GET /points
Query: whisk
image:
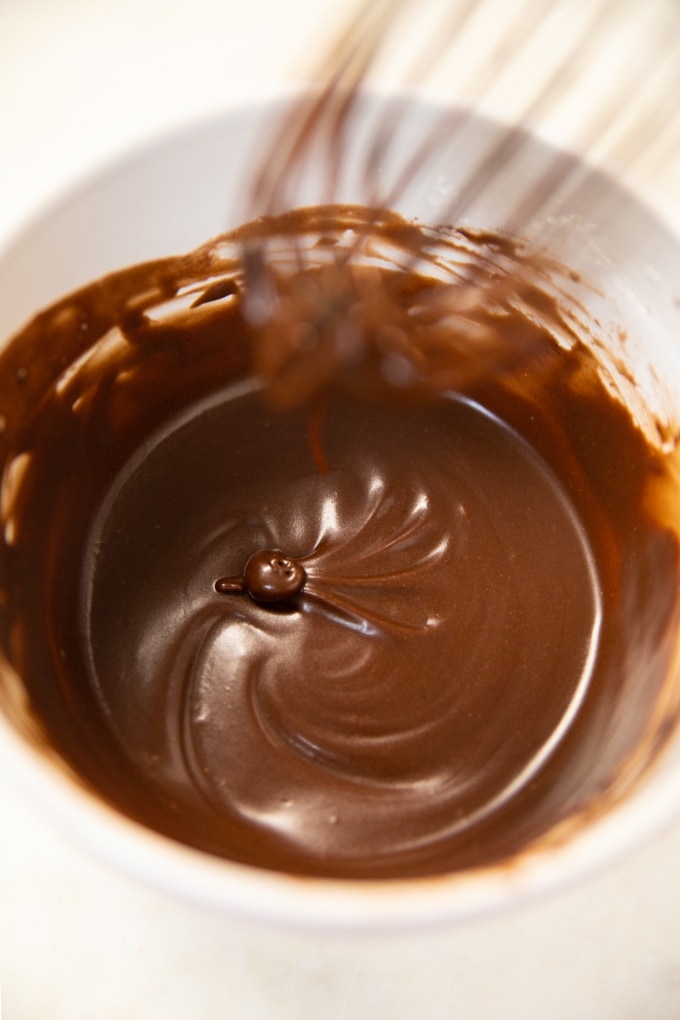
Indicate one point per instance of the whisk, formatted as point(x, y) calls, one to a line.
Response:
point(602, 76)
point(597, 77)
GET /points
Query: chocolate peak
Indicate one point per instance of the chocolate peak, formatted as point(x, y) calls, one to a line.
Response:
point(269, 576)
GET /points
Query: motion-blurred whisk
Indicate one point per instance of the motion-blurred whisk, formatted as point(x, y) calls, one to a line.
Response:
point(600, 78)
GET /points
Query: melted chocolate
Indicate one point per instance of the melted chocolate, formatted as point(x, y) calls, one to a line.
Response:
point(407, 631)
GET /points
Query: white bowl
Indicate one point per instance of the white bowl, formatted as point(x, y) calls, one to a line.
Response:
point(181, 190)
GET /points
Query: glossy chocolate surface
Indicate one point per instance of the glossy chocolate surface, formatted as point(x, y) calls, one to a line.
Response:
point(378, 601)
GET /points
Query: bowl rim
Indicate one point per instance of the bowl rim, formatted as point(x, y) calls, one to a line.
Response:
point(351, 906)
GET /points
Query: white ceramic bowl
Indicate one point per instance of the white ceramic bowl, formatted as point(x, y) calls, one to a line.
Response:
point(183, 189)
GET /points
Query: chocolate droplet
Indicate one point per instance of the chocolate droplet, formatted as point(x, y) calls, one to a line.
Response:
point(269, 576)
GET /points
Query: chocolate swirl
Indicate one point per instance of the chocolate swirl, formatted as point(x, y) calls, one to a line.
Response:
point(358, 718)
point(465, 587)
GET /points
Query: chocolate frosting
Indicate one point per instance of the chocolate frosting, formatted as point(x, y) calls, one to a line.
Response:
point(372, 602)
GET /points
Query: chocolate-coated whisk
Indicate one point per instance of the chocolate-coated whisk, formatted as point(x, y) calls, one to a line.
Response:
point(601, 75)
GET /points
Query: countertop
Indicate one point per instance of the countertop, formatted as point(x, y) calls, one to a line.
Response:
point(81, 81)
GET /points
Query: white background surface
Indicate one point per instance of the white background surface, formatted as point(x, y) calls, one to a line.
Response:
point(81, 80)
